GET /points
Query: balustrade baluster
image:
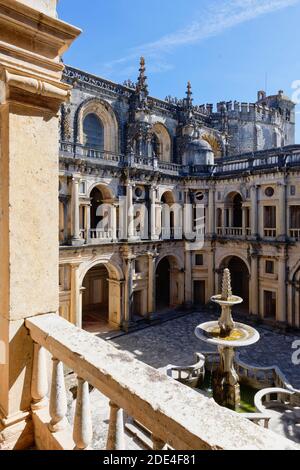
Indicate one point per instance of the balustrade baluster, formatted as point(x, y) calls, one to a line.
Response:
point(116, 435)
point(39, 381)
point(58, 398)
point(83, 429)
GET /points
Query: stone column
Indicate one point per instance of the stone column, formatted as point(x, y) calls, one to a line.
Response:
point(244, 221)
point(282, 213)
point(114, 222)
point(130, 210)
point(282, 290)
point(127, 321)
point(154, 235)
point(31, 93)
point(211, 212)
point(76, 293)
point(254, 290)
point(254, 212)
point(188, 291)
point(76, 238)
point(211, 286)
point(151, 283)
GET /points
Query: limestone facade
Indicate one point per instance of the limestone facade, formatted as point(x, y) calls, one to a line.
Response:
point(120, 145)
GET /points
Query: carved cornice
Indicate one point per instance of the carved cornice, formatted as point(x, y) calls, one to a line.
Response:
point(31, 44)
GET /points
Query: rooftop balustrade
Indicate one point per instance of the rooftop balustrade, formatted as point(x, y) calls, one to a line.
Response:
point(250, 162)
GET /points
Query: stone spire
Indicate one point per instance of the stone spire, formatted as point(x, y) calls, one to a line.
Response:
point(188, 112)
point(189, 94)
point(226, 287)
point(142, 85)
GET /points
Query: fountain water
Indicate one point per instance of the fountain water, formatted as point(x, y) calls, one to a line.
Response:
point(227, 336)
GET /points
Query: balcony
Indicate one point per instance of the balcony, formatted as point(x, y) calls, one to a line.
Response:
point(175, 415)
point(233, 232)
point(80, 151)
point(270, 232)
point(295, 234)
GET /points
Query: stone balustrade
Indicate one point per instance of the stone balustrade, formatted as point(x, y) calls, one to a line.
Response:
point(176, 415)
point(271, 397)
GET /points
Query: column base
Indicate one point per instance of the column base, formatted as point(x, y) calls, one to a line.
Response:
point(77, 242)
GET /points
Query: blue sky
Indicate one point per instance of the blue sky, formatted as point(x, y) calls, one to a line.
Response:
point(228, 49)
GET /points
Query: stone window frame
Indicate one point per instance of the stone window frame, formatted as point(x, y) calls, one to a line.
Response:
point(107, 116)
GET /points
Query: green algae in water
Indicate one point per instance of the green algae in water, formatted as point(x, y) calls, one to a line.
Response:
point(247, 395)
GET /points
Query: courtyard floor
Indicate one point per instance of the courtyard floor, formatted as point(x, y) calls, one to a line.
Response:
point(174, 342)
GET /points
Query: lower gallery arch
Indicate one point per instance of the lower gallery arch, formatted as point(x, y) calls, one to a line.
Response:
point(240, 278)
point(169, 292)
point(101, 299)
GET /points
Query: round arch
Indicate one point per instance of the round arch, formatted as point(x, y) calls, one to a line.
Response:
point(114, 270)
point(100, 295)
point(240, 278)
point(107, 192)
point(107, 116)
point(165, 142)
point(216, 146)
point(234, 209)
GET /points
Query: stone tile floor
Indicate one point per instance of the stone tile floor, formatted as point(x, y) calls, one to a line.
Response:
point(174, 342)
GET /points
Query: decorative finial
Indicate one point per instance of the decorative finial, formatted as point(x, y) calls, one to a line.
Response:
point(189, 91)
point(142, 79)
point(226, 287)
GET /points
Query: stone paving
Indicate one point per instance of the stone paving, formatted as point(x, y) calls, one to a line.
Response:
point(174, 342)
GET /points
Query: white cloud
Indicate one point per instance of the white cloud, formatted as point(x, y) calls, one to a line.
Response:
point(213, 20)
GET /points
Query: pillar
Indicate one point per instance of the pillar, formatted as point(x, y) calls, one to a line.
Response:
point(127, 321)
point(282, 212)
point(130, 211)
point(151, 282)
point(76, 297)
point(254, 211)
point(282, 290)
point(211, 212)
point(188, 290)
point(254, 286)
point(154, 235)
point(31, 92)
point(114, 223)
point(76, 238)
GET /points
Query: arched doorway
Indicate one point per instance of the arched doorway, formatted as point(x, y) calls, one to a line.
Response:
point(234, 211)
point(240, 278)
point(95, 299)
point(103, 214)
point(163, 285)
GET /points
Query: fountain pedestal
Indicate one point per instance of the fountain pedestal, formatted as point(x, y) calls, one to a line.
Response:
point(227, 336)
point(225, 381)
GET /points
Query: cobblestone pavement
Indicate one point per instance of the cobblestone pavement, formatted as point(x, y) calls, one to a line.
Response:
point(174, 342)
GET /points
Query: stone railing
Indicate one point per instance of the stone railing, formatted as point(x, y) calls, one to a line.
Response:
point(295, 234)
point(192, 376)
point(175, 415)
point(81, 151)
point(100, 235)
point(270, 232)
point(271, 397)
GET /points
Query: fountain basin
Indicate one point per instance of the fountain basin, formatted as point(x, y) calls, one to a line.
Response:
point(230, 302)
point(242, 335)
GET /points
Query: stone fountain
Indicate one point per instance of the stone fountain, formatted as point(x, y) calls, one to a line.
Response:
point(227, 336)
